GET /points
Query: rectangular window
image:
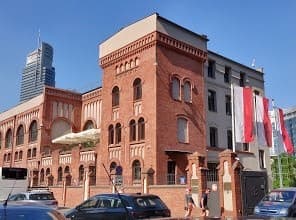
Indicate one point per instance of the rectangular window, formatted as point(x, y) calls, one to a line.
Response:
point(212, 101)
point(171, 178)
point(229, 139)
point(182, 124)
point(211, 69)
point(213, 137)
point(227, 74)
point(242, 79)
point(246, 147)
point(228, 104)
point(261, 159)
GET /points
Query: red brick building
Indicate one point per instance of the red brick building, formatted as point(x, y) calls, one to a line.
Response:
point(150, 112)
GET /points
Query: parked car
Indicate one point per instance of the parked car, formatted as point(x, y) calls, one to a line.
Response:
point(278, 203)
point(24, 211)
point(123, 206)
point(35, 196)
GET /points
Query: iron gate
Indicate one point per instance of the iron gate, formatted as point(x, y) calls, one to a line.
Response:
point(253, 188)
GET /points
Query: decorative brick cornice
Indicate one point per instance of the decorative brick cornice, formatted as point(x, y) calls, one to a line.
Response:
point(93, 94)
point(147, 42)
point(180, 46)
point(129, 50)
point(62, 94)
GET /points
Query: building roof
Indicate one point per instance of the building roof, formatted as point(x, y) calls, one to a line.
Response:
point(147, 26)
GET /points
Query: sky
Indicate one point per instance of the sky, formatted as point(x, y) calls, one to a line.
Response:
point(263, 30)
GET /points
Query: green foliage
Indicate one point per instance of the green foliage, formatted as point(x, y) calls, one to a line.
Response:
point(288, 171)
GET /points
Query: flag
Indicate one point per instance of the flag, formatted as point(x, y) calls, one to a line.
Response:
point(283, 137)
point(263, 124)
point(243, 114)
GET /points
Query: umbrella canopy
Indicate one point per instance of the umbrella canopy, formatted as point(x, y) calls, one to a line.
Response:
point(80, 137)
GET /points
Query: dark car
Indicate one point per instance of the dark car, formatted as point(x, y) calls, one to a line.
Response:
point(123, 206)
point(16, 210)
point(278, 203)
point(39, 197)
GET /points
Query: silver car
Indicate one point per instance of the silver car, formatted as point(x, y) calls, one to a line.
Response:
point(35, 197)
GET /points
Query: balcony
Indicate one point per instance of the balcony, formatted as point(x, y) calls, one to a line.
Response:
point(115, 152)
point(46, 161)
point(137, 150)
point(65, 159)
point(33, 164)
point(86, 156)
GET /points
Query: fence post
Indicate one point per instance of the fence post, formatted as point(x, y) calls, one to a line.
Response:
point(230, 184)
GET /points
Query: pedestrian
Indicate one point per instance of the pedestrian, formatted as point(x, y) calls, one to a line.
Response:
point(189, 203)
point(204, 203)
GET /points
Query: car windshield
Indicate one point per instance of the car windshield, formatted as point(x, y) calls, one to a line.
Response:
point(41, 196)
point(280, 196)
point(149, 202)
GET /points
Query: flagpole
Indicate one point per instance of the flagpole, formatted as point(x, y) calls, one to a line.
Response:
point(232, 118)
point(277, 136)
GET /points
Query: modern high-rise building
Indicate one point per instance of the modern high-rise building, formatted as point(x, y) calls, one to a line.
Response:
point(290, 122)
point(38, 72)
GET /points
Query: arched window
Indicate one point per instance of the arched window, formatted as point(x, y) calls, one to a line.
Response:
point(21, 155)
point(88, 125)
point(141, 129)
point(33, 132)
point(29, 153)
point(42, 175)
point(117, 133)
point(115, 96)
point(132, 63)
point(136, 170)
point(187, 91)
point(182, 129)
point(176, 88)
point(127, 65)
point(16, 156)
point(47, 173)
point(8, 139)
point(81, 173)
point(60, 174)
point(137, 89)
point(113, 165)
point(67, 170)
point(137, 61)
point(111, 134)
point(34, 152)
point(122, 68)
point(132, 126)
point(8, 156)
point(20, 135)
point(5, 158)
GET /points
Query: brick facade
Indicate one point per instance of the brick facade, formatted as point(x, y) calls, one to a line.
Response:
point(168, 142)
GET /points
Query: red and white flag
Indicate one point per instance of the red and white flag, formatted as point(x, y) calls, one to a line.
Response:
point(243, 114)
point(283, 137)
point(263, 124)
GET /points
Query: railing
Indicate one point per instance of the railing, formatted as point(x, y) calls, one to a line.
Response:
point(65, 159)
point(46, 161)
point(173, 179)
point(87, 156)
point(212, 175)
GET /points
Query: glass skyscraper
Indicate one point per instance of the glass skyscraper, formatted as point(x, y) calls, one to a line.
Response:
point(38, 72)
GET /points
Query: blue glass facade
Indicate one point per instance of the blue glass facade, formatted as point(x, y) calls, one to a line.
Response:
point(38, 72)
